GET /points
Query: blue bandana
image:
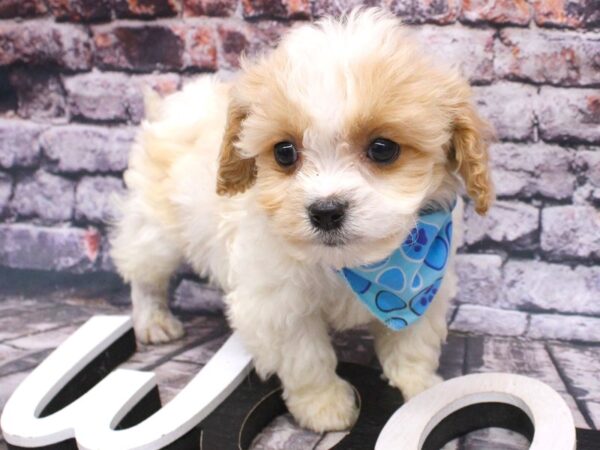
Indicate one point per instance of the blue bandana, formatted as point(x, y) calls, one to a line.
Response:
point(399, 289)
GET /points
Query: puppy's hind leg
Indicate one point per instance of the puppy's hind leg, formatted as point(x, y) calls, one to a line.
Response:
point(146, 256)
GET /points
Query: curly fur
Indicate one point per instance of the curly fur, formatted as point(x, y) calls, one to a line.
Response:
point(204, 188)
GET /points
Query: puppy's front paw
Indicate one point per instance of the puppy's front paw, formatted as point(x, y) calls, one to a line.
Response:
point(413, 383)
point(157, 327)
point(330, 409)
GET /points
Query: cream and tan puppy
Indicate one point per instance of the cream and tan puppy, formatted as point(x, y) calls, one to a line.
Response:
point(320, 155)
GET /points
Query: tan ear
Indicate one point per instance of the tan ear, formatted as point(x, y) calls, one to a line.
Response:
point(470, 142)
point(236, 173)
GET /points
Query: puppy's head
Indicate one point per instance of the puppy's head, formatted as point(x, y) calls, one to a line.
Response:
point(344, 132)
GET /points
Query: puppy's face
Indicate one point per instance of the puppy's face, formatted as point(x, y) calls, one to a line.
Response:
point(344, 133)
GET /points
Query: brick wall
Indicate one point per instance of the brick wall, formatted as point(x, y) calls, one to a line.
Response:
point(71, 74)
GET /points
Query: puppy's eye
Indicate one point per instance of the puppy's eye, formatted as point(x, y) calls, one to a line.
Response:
point(285, 154)
point(383, 151)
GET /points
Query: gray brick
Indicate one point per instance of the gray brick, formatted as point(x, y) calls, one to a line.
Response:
point(21, 8)
point(275, 9)
point(334, 7)
point(148, 9)
point(113, 96)
point(569, 114)
point(497, 12)
point(198, 297)
point(511, 223)
point(421, 11)
point(45, 43)
point(200, 46)
point(46, 196)
point(472, 51)
point(218, 8)
point(19, 145)
point(585, 194)
point(106, 263)
point(139, 46)
point(527, 170)
point(102, 97)
point(80, 10)
point(5, 190)
point(569, 14)
point(491, 321)
point(480, 278)
point(587, 166)
point(587, 162)
point(565, 328)
point(163, 84)
point(237, 37)
point(509, 107)
point(536, 285)
point(95, 198)
point(75, 148)
point(25, 246)
point(555, 57)
point(40, 94)
point(571, 231)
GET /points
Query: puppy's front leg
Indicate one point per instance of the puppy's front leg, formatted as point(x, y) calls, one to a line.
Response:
point(314, 394)
point(153, 321)
point(410, 357)
point(146, 255)
point(299, 350)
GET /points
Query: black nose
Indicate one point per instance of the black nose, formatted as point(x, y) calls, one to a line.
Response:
point(327, 214)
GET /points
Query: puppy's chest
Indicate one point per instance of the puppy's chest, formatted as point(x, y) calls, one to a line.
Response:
point(338, 304)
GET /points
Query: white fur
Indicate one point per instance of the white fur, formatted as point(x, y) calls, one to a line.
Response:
point(282, 299)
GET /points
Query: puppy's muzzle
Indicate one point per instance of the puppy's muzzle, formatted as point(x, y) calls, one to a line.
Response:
point(327, 214)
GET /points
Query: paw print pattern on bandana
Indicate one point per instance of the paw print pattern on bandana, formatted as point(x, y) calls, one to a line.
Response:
point(423, 299)
point(418, 240)
point(399, 289)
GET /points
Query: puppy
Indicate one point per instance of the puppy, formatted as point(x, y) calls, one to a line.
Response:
point(321, 157)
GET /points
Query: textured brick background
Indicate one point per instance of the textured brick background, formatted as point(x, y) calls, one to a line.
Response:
point(71, 74)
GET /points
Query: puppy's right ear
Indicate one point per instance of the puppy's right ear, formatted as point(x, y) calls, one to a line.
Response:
point(236, 173)
point(470, 142)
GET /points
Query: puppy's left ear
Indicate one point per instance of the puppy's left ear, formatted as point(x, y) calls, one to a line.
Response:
point(236, 173)
point(469, 149)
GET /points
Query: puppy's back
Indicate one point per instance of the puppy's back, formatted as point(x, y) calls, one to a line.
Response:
point(190, 121)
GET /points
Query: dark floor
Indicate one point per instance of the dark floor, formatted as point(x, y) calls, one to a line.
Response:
point(37, 313)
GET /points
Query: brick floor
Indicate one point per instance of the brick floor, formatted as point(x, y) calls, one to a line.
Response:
point(38, 312)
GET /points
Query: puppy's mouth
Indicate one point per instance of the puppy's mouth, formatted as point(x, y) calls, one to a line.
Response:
point(332, 238)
